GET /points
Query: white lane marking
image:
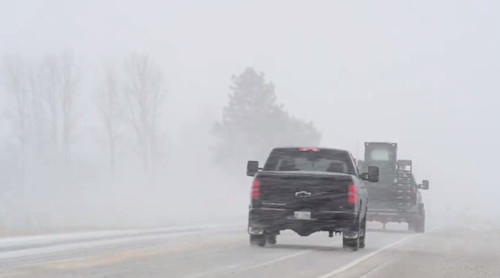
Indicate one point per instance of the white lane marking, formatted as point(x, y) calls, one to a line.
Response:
point(281, 259)
point(375, 269)
point(364, 258)
point(367, 256)
point(276, 260)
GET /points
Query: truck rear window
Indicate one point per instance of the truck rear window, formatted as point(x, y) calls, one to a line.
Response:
point(380, 154)
point(318, 161)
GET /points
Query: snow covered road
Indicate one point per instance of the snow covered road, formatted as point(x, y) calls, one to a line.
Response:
point(223, 251)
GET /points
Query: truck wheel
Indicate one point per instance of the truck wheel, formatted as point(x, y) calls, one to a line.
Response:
point(257, 240)
point(363, 234)
point(271, 239)
point(415, 223)
point(411, 226)
point(352, 243)
point(349, 243)
point(421, 224)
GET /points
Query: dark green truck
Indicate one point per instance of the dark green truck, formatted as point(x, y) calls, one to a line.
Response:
point(396, 197)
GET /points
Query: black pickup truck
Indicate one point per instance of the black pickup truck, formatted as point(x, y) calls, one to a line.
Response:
point(308, 190)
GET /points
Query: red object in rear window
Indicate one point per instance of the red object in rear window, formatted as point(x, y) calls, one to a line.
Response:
point(309, 150)
point(352, 194)
point(255, 191)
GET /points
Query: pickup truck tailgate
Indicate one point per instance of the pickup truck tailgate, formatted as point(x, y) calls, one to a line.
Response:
point(303, 191)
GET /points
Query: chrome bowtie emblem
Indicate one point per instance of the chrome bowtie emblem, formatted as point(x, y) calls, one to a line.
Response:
point(302, 194)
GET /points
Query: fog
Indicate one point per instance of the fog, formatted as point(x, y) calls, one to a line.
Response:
point(419, 74)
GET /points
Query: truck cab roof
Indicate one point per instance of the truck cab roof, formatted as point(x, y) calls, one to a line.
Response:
point(311, 149)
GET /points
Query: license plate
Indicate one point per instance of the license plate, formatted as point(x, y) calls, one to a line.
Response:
point(302, 214)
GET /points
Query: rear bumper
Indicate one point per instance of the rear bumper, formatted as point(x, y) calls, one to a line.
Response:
point(277, 219)
point(391, 215)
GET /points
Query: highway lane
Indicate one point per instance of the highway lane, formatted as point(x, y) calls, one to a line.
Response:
point(198, 252)
point(458, 251)
point(225, 252)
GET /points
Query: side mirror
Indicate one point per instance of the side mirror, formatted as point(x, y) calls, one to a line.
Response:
point(372, 175)
point(252, 168)
point(425, 185)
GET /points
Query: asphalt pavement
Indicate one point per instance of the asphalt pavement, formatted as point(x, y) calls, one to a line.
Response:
point(224, 251)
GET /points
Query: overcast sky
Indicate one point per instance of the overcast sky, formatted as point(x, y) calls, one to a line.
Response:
point(421, 73)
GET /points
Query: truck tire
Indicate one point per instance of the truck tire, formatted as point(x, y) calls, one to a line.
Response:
point(352, 243)
point(257, 240)
point(349, 243)
point(411, 225)
point(271, 239)
point(363, 234)
point(421, 224)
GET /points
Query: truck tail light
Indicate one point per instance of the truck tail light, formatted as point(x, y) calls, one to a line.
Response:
point(352, 194)
point(315, 150)
point(255, 191)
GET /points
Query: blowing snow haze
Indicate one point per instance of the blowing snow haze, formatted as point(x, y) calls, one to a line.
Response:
point(112, 110)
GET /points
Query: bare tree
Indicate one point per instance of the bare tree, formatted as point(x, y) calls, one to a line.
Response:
point(17, 74)
point(49, 77)
point(60, 77)
point(143, 88)
point(69, 98)
point(39, 115)
point(110, 107)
